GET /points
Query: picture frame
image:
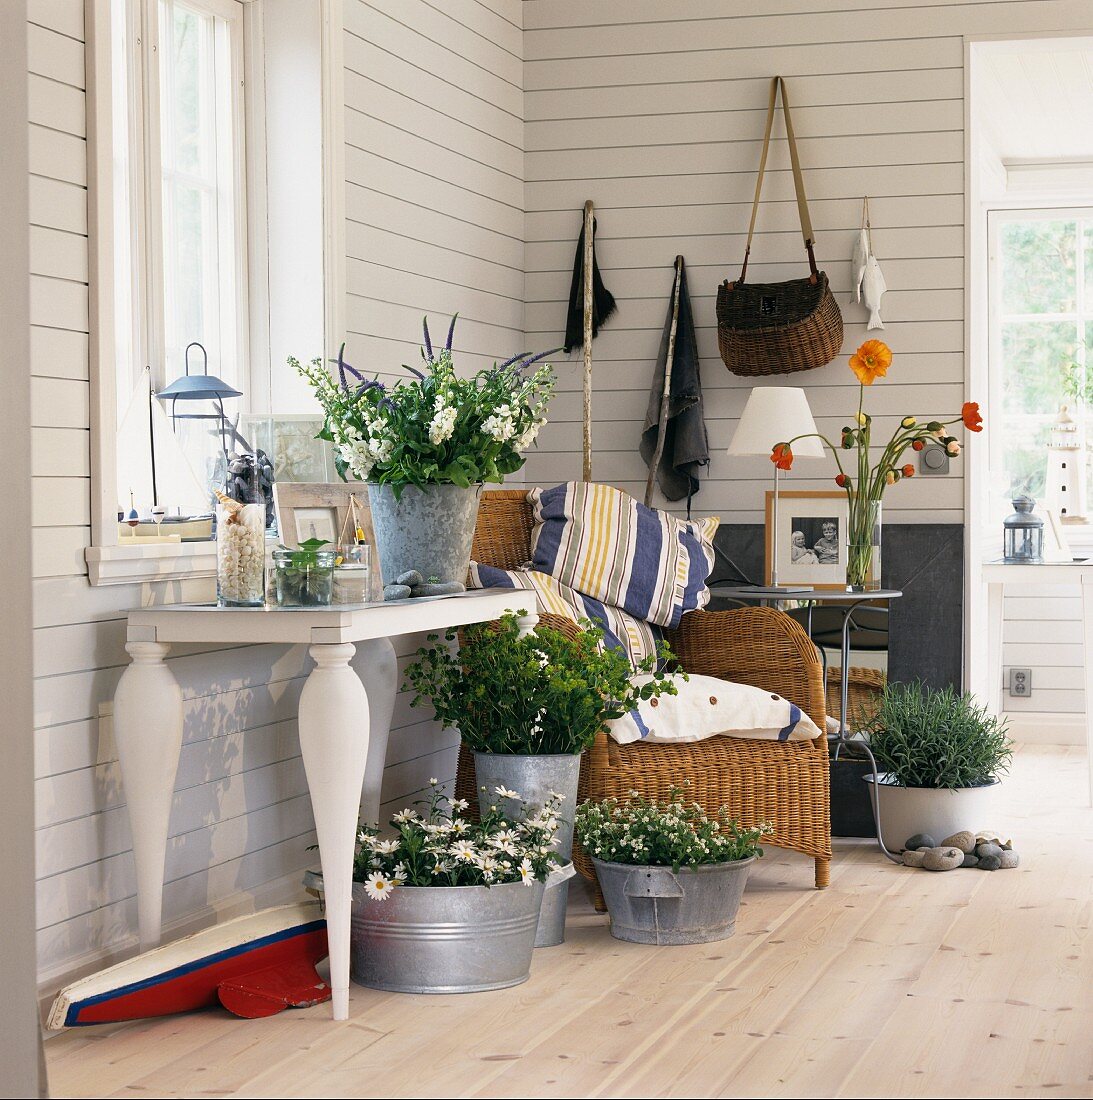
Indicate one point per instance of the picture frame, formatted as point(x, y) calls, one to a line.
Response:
point(290, 440)
point(809, 551)
point(312, 510)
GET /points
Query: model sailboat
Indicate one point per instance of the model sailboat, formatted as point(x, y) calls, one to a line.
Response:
point(154, 471)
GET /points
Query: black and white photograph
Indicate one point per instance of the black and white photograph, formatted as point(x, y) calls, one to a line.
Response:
point(809, 540)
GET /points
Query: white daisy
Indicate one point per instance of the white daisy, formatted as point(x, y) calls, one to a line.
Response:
point(378, 886)
point(504, 792)
point(460, 804)
point(527, 872)
point(404, 816)
point(464, 851)
point(459, 826)
point(385, 847)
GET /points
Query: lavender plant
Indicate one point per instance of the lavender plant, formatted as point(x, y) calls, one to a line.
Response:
point(436, 427)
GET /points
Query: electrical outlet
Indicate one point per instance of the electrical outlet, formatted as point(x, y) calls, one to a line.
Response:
point(1021, 682)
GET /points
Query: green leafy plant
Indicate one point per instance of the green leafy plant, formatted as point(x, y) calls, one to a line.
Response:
point(937, 739)
point(301, 576)
point(538, 694)
point(670, 833)
point(441, 848)
point(433, 428)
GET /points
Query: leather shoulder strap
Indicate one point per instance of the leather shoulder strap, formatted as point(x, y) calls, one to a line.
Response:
point(798, 178)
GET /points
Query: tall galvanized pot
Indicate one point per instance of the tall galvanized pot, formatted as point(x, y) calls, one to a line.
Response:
point(662, 906)
point(428, 529)
point(444, 939)
point(533, 778)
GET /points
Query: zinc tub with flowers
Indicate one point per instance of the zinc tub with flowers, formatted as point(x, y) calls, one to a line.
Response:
point(447, 905)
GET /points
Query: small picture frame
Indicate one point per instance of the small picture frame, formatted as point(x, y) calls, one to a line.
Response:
point(811, 538)
point(312, 510)
point(292, 443)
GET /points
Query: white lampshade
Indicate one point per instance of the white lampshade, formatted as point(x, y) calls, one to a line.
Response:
point(776, 414)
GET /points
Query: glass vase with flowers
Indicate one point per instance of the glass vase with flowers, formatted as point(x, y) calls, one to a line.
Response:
point(865, 481)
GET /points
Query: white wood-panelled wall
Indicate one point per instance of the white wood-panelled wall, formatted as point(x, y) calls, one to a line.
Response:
point(241, 822)
point(655, 111)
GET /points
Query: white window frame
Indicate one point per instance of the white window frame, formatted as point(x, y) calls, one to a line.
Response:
point(108, 562)
point(997, 317)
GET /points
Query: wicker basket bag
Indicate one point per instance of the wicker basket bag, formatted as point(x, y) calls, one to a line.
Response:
point(778, 328)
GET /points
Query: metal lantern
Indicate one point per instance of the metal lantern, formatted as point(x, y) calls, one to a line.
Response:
point(201, 387)
point(1024, 533)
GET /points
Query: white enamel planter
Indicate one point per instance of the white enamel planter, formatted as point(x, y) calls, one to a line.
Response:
point(905, 811)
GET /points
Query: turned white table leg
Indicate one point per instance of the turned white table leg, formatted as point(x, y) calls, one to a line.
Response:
point(377, 666)
point(527, 623)
point(334, 735)
point(148, 732)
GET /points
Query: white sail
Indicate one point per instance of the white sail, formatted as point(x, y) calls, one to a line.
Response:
point(177, 487)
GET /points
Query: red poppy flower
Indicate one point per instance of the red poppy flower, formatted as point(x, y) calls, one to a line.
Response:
point(782, 456)
point(908, 470)
point(973, 421)
point(842, 481)
point(917, 445)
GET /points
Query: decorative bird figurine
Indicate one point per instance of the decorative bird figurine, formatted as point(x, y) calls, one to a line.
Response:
point(858, 261)
point(873, 288)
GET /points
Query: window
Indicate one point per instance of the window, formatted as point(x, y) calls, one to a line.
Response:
point(179, 207)
point(1041, 340)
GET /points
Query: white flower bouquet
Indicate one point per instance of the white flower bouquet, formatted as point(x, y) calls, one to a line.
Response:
point(441, 848)
point(670, 833)
point(436, 428)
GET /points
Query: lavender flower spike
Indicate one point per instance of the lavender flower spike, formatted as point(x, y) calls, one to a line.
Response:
point(515, 359)
point(343, 366)
point(451, 333)
point(428, 342)
point(536, 358)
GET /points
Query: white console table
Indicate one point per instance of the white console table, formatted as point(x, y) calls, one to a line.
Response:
point(344, 720)
point(998, 576)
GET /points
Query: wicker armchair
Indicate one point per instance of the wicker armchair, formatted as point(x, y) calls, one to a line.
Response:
point(782, 782)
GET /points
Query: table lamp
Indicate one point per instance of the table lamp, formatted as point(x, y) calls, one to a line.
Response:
point(775, 414)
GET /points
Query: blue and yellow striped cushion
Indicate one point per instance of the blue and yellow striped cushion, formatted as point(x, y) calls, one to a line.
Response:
point(621, 631)
point(603, 543)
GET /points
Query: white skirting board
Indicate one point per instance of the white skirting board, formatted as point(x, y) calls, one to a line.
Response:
point(1029, 727)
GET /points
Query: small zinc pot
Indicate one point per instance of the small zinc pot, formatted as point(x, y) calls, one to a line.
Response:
point(533, 778)
point(445, 939)
point(430, 530)
point(905, 811)
point(662, 906)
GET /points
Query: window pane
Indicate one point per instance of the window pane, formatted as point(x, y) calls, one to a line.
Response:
point(1035, 355)
point(1087, 305)
point(190, 94)
point(1039, 266)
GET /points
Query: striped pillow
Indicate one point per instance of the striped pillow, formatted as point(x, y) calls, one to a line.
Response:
point(621, 631)
point(603, 543)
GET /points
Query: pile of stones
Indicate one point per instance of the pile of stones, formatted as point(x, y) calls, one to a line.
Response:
point(987, 851)
point(412, 585)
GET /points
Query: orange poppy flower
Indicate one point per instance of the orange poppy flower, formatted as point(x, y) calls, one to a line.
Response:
point(973, 421)
point(871, 361)
point(782, 456)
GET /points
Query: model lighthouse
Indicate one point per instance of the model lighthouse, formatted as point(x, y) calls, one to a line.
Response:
point(1064, 490)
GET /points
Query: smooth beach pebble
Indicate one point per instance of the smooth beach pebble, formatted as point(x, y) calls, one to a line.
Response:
point(443, 588)
point(913, 859)
point(964, 840)
point(410, 578)
point(989, 863)
point(942, 859)
point(396, 592)
point(1008, 859)
point(970, 860)
point(991, 851)
point(920, 840)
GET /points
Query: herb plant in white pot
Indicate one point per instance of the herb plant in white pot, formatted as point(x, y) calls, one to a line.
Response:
point(528, 706)
point(450, 905)
point(426, 446)
point(941, 757)
point(670, 873)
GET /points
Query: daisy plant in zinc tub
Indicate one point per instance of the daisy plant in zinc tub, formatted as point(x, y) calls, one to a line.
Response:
point(426, 445)
point(446, 904)
point(670, 872)
point(865, 481)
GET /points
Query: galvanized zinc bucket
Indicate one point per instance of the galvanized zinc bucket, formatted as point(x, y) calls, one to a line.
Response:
point(662, 906)
point(533, 778)
point(444, 939)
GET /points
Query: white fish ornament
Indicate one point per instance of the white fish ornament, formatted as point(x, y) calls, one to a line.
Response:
point(873, 288)
point(858, 261)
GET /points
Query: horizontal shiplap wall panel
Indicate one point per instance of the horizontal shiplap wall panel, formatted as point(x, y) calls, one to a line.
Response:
point(656, 113)
point(435, 162)
point(1043, 632)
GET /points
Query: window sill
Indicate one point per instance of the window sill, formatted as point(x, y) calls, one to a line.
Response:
point(150, 562)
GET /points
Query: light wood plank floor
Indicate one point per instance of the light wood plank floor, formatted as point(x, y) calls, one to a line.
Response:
point(892, 982)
